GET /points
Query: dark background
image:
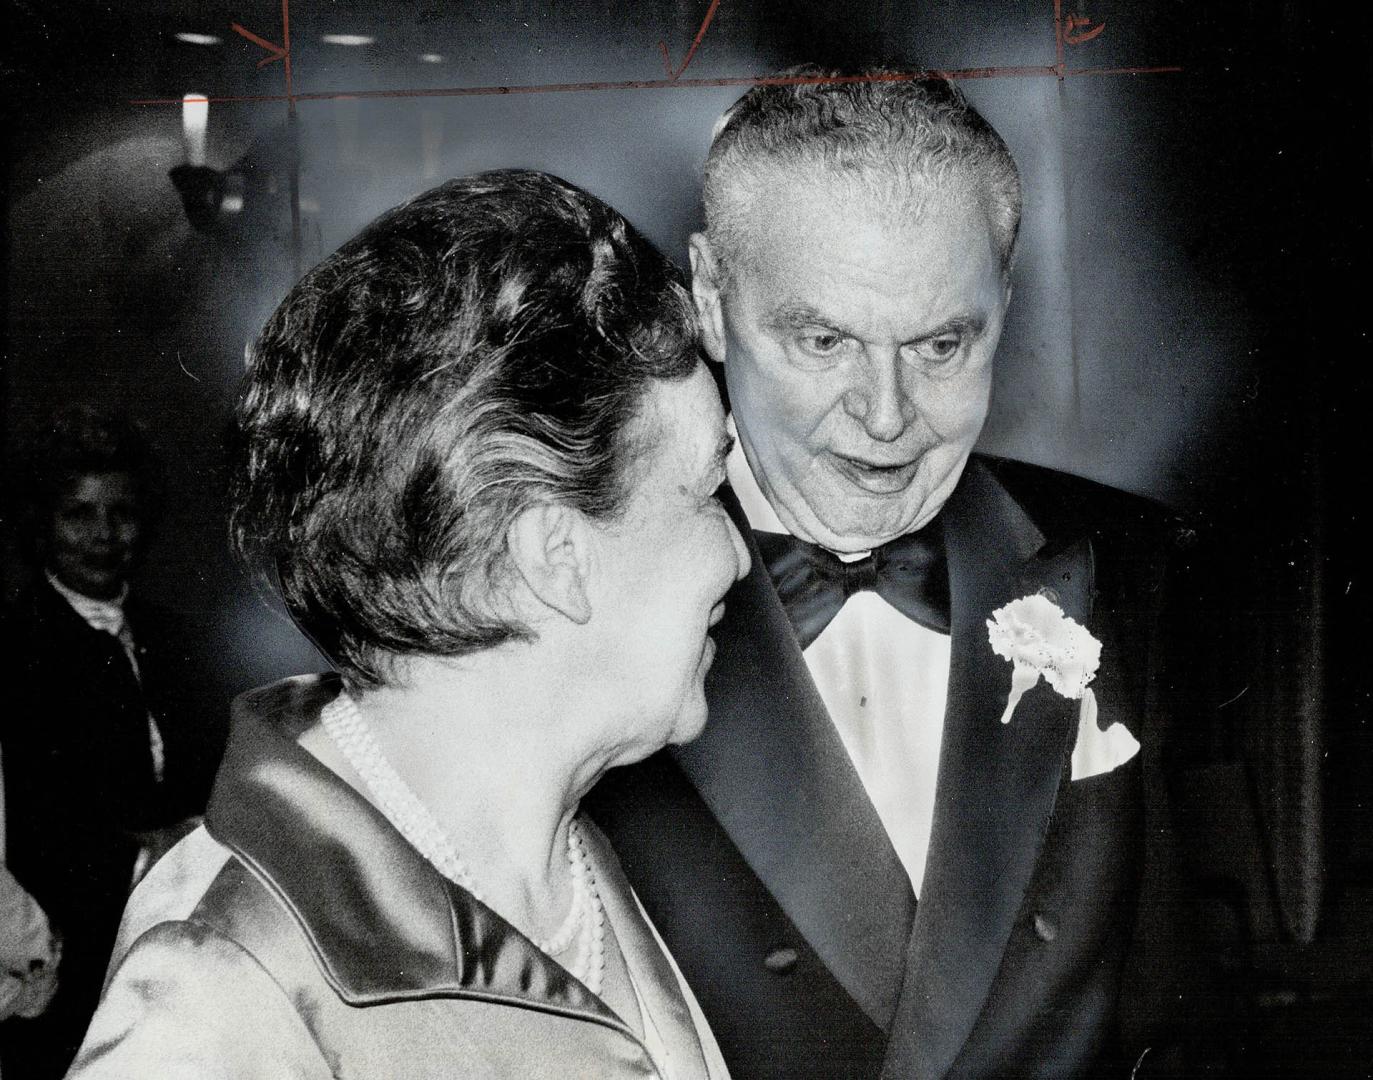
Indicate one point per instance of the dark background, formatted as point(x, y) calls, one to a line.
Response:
point(1190, 317)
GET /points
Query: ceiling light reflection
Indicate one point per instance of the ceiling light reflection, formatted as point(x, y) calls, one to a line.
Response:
point(348, 39)
point(191, 38)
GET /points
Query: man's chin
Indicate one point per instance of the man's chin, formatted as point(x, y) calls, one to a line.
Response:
point(859, 532)
point(859, 521)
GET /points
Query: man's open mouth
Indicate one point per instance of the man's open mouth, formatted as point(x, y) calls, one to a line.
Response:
point(875, 478)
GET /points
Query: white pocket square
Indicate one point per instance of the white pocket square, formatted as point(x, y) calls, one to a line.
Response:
point(1098, 751)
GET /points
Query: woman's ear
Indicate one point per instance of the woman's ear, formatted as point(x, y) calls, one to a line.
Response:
point(705, 290)
point(551, 545)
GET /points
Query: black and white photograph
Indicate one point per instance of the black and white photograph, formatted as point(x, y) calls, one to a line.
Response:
point(685, 539)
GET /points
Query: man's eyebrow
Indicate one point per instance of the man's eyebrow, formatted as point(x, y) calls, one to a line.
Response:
point(973, 324)
point(794, 315)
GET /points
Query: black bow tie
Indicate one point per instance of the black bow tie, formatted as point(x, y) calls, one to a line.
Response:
point(909, 573)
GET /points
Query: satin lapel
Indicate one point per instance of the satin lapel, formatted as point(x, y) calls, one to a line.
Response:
point(773, 771)
point(647, 963)
point(383, 923)
point(997, 783)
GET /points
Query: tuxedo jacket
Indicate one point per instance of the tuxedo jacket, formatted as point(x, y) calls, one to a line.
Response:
point(79, 782)
point(759, 856)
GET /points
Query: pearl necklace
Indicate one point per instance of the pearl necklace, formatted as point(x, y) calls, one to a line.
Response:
point(585, 921)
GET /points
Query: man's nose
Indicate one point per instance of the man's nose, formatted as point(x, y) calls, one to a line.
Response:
point(880, 400)
point(740, 552)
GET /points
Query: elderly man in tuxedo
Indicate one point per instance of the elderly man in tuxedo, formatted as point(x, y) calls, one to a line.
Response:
point(877, 860)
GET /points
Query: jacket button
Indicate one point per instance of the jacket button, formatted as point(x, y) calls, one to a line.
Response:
point(1045, 927)
point(780, 961)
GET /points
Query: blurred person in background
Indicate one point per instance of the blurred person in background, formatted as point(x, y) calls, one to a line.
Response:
point(108, 749)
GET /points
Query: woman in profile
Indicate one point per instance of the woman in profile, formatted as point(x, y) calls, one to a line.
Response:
point(479, 455)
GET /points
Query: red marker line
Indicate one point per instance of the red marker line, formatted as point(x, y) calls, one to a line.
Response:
point(1074, 36)
point(278, 53)
point(1058, 38)
point(286, 44)
point(1123, 71)
point(671, 84)
point(705, 24)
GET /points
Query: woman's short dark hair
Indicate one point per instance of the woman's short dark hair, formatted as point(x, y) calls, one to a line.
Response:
point(480, 349)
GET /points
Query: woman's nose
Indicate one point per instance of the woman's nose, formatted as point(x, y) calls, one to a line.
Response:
point(103, 526)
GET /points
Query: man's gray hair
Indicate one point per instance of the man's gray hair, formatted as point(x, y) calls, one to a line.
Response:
point(891, 133)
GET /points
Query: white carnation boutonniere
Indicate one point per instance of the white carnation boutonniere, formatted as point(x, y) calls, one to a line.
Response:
point(1038, 639)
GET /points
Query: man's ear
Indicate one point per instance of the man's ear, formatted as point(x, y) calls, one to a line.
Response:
point(705, 290)
point(550, 546)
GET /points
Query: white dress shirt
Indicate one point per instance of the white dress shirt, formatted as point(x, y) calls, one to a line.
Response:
point(884, 680)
